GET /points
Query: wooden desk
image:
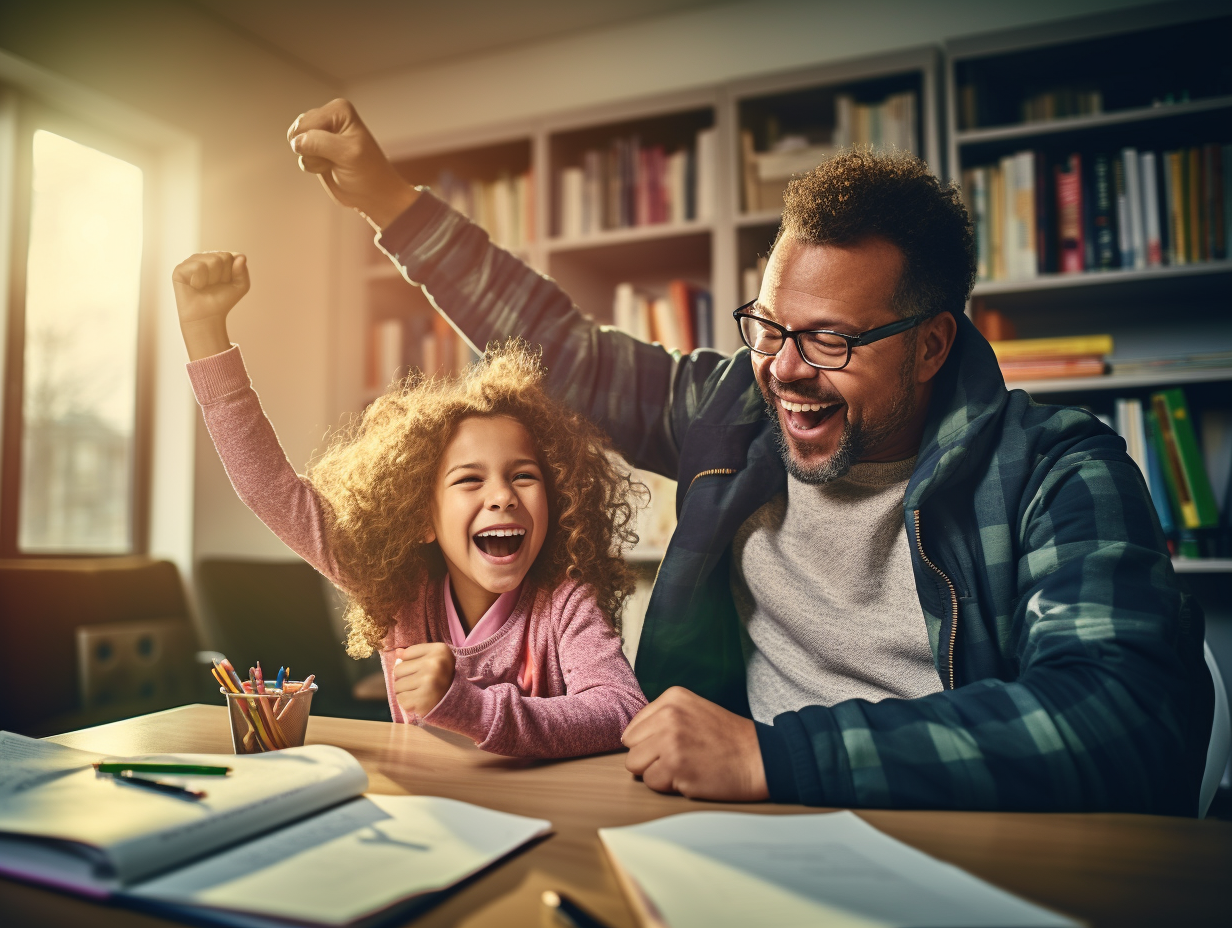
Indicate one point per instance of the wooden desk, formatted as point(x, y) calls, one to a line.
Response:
point(1108, 869)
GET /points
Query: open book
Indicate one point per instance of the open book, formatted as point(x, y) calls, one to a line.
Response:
point(715, 869)
point(286, 835)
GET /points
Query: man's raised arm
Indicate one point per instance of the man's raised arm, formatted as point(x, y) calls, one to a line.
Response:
point(642, 395)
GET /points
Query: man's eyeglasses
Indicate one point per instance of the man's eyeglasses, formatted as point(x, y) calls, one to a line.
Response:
point(821, 348)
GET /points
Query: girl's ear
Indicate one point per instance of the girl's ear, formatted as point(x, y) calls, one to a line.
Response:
point(429, 535)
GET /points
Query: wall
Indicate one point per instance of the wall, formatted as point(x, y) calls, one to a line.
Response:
point(676, 52)
point(177, 65)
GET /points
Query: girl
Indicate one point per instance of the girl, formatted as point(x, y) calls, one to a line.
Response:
point(473, 523)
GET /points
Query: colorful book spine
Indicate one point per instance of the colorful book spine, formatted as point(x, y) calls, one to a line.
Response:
point(1069, 216)
point(1194, 205)
point(1149, 173)
point(1134, 215)
point(1178, 207)
point(1156, 481)
point(996, 221)
point(1103, 219)
point(1183, 464)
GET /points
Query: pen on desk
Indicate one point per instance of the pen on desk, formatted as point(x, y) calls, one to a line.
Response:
point(175, 790)
point(562, 912)
point(196, 770)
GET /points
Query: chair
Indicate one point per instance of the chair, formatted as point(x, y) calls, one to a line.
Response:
point(1221, 737)
point(276, 612)
point(63, 617)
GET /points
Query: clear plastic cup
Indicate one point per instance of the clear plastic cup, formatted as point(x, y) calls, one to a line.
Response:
point(269, 722)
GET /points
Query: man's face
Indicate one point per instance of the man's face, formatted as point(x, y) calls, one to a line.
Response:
point(871, 410)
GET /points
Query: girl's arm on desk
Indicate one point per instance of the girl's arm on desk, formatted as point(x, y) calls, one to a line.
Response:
point(600, 693)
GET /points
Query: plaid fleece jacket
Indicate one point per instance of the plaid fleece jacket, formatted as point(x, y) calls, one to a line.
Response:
point(1070, 657)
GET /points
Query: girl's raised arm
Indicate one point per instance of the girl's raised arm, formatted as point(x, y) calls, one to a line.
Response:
point(207, 287)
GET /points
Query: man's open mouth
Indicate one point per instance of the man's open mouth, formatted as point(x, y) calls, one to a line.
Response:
point(804, 417)
point(500, 542)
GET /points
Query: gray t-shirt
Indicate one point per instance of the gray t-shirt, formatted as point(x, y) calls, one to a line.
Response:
point(823, 584)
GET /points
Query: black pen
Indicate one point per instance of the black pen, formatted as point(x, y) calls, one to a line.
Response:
point(563, 912)
point(182, 791)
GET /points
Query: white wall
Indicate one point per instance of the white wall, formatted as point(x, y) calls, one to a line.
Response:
point(677, 52)
point(185, 69)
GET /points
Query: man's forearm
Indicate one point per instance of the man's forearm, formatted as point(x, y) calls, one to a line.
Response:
point(624, 385)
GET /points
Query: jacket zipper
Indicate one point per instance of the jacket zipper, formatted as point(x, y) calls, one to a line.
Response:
point(919, 543)
point(711, 473)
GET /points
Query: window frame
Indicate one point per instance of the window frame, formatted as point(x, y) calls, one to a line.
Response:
point(27, 117)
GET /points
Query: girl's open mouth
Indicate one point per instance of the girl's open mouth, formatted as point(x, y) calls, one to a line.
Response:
point(500, 542)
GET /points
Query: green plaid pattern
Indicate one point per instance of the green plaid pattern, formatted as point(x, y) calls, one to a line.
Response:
point(1071, 658)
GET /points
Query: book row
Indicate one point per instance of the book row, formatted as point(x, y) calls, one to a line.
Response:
point(427, 343)
point(629, 184)
point(1098, 211)
point(889, 125)
point(505, 207)
point(1188, 470)
point(682, 319)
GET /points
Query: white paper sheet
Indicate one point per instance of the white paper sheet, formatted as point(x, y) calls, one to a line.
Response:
point(350, 861)
point(716, 869)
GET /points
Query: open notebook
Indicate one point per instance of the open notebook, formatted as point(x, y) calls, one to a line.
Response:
point(287, 835)
point(715, 869)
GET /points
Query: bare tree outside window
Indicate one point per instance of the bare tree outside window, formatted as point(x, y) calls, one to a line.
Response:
point(79, 372)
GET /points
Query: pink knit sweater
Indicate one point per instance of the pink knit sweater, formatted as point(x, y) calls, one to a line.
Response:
point(580, 692)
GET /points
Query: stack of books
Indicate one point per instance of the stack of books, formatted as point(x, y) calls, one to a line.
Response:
point(1046, 358)
point(630, 184)
point(505, 207)
point(1099, 211)
point(682, 319)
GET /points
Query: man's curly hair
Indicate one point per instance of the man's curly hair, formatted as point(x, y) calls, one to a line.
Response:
point(377, 480)
point(858, 195)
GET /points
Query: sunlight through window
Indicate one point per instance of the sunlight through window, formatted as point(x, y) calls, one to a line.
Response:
point(80, 383)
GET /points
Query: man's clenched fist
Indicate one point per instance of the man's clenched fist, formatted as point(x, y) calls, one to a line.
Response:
point(681, 743)
point(333, 143)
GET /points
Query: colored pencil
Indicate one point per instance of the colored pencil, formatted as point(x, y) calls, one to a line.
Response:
point(203, 770)
point(303, 687)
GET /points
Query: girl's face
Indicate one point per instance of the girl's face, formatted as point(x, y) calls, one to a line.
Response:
point(490, 508)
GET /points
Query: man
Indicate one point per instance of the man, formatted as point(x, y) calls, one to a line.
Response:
point(893, 583)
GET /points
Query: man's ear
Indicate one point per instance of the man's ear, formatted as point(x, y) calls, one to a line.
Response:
point(933, 345)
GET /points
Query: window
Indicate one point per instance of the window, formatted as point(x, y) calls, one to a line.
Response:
point(75, 438)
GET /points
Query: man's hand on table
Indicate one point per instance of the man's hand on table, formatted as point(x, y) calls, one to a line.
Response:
point(333, 143)
point(681, 743)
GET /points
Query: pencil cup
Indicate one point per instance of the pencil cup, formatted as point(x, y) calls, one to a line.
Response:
point(269, 722)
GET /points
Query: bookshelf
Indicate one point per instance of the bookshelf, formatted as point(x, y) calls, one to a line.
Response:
point(1151, 79)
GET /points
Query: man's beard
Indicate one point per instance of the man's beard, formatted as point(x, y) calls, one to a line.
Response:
point(855, 440)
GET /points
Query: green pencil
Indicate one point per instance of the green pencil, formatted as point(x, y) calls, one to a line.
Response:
point(199, 770)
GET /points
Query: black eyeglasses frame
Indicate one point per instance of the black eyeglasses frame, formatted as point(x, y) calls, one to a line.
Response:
point(853, 341)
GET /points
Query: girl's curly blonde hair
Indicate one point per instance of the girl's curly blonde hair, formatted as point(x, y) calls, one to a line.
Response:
point(378, 477)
